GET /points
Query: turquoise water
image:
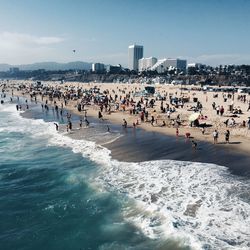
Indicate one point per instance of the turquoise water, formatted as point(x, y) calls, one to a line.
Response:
point(60, 193)
point(47, 201)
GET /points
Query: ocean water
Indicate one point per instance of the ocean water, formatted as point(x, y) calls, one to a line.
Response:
point(62, 193)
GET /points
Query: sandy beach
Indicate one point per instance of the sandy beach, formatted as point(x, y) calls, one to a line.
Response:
point(239, 134)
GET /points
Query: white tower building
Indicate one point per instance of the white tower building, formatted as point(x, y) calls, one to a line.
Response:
point(135, 52)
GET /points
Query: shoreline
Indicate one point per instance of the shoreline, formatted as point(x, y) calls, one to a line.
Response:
point(239, 142)
point(140, 145)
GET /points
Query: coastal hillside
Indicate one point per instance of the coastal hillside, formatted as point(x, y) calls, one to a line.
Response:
point(49, 66)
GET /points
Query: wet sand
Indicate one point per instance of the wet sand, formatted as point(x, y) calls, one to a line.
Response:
point(140, 145)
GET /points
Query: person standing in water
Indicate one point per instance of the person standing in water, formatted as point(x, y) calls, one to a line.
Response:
point(125, 123)
point(215, 136)
point(227, 135)
point(100, 115)
point(177, 132)
point(70, 125)
point(87, 123)
point(57, 126)
point(194, 144)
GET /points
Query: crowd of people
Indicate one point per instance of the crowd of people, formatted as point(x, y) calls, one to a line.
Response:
point(141, 110)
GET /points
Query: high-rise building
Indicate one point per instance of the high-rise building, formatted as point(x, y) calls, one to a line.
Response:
point(135, 52)
point(146, 63)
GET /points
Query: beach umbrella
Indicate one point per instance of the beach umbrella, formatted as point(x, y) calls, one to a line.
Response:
point(194, 117)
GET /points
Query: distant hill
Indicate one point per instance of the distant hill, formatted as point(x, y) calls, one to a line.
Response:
point(4, 67)
point(49, 66)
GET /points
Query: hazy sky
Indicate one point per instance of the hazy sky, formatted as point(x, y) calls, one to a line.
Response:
point(207, 31)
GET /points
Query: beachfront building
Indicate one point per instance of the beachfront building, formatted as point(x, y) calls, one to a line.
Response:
point(160, 66)
point(146, 64)
point(114, 69)
point(98, 67)
point(164, 65)
point(135, 53)
point(179, 64)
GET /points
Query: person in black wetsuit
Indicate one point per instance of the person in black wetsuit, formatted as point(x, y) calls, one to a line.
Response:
point(57, 126)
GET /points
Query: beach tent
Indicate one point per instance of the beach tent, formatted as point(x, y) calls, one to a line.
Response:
point(194, 117)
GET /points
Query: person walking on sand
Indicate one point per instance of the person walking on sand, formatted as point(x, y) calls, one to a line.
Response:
point(152, 120)
point(203, 130)
point(218, 110)
point(215, 136)
point(248, 123)
point(221, 110)
point(227, 135)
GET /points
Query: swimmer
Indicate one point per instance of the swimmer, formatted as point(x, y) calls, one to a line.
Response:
point(57, 126)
